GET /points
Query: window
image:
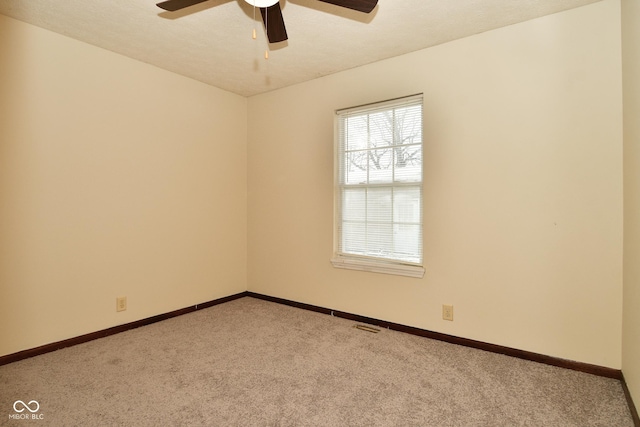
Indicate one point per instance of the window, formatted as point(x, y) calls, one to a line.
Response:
point(379, 187)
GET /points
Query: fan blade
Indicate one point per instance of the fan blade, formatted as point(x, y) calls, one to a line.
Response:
point(365, 6)
point(173, 5)
point(274, 23)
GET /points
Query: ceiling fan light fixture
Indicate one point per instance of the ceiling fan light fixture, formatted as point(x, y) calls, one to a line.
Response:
point(272, 12)
point(262, 3)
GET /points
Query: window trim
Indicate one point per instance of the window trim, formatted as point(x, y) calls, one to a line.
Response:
point(376, 265)
point(362, 262)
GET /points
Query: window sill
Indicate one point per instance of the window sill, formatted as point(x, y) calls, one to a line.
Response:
point(376, 266)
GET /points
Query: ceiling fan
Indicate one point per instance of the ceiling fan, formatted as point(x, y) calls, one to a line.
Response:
point(271, 12)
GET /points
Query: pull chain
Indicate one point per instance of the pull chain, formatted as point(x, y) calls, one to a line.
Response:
point(253, 34)
point(266, 27)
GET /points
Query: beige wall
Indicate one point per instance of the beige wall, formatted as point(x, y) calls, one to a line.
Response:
point(522, 195)
point(116, 178)
point(631, 87)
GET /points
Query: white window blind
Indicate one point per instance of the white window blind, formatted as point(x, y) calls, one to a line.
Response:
point(379, 182)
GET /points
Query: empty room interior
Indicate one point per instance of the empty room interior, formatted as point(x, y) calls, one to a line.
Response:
point(121, 178)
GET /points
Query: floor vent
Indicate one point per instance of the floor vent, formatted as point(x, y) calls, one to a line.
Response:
point(367, 328)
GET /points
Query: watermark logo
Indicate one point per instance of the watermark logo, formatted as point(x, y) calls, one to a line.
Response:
point(20, 404)
point(26, 411)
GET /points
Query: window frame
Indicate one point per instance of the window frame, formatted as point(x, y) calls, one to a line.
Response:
point(370, 263)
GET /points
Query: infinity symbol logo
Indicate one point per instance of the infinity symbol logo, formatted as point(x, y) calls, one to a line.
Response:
point(26, 406)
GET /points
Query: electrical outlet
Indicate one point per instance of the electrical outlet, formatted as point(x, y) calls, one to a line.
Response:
point(447, 312)
point(121, 303)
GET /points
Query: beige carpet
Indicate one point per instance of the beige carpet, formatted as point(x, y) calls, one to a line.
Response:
point(255, 363)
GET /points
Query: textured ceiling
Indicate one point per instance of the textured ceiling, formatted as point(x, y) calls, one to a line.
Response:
point(211, 42)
